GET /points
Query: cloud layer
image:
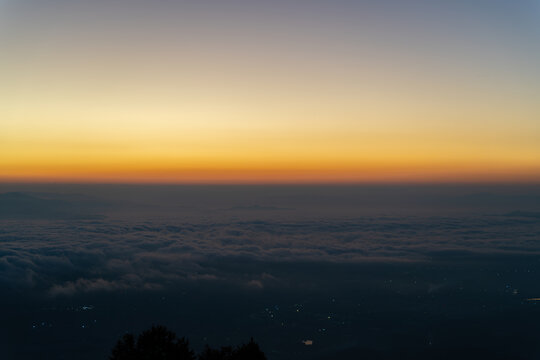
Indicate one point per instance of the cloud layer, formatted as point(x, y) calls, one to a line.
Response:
point(65, 257)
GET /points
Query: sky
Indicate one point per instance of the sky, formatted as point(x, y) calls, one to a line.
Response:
point(269, 92)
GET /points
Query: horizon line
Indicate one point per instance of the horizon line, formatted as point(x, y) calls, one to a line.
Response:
point(274, 183)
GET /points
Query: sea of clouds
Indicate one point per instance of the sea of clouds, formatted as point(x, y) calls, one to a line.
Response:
point(77, 255)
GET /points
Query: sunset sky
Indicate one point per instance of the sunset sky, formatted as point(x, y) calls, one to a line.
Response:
point(239, 91)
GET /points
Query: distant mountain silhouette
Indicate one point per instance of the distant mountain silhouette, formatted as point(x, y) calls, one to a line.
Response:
point(256, 208)
point(22, 205)
point(159, 343)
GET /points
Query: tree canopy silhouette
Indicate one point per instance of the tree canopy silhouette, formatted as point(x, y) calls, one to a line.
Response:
point(159, 343)
point(249, 351)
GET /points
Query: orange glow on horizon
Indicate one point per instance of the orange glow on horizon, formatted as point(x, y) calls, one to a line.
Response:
point(292, 175)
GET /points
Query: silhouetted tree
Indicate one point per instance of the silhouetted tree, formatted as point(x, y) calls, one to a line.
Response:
point(158, 343)
point(214, 354)
point(249, 351)
point(125, 348)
